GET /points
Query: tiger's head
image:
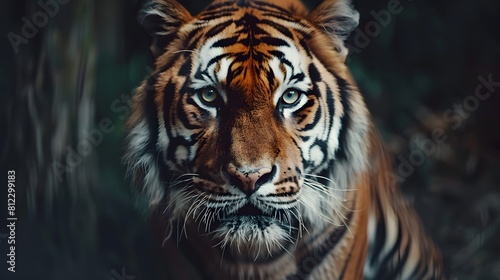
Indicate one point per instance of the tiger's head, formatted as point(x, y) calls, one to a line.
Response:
point(251, 127)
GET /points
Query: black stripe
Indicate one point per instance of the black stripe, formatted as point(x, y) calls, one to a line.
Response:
point(231, 74)
point(216, 6)
point(283, 30)
point(299, 77)
point(306, 32)
point(151, 114)
point(316, 118)
point(401, 262)
point(263, 5)
point(380, 234)
point(286, 62)
point(218, 28)
point(202, 75)
point(345, 119)
point(168, 99)
point(271, 79)
point(305, 47)
point(314, 74)
point(169, 119)
point(271, 41)
point(384, 264)
point(192, 43)
point(182, 114)
point(225, 42)
point(305, 138)
point(185, 69)
point(305, 267)
point(221, 10)
point(280, 16)
point(277, 54)
point(217, 15)
point(217, 58)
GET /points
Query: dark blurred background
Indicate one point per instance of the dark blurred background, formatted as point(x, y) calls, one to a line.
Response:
point(67, 75)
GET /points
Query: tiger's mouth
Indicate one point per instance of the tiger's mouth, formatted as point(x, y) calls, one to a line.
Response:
point(249, 210)
point(251, 227)
point(248, 215)
point(251, 215)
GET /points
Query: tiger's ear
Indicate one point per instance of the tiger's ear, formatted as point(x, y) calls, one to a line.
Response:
point(338, 19)
point(161, 19)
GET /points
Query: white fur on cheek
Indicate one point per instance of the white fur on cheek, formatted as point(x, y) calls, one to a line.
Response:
point(138, 160)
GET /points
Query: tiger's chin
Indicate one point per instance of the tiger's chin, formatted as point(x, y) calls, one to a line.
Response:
point(253, 238)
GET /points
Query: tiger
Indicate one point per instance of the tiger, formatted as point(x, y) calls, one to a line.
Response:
point(253, 143)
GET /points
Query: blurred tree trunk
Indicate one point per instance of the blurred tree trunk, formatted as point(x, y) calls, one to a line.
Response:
point(49, 115)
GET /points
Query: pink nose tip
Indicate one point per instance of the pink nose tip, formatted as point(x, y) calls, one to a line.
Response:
point(249, 181)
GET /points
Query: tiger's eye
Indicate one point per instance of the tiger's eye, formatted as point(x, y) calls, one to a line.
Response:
point(209, 95)
point(291, 96)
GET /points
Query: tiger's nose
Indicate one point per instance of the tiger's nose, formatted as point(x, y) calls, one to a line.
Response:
point(250, 180)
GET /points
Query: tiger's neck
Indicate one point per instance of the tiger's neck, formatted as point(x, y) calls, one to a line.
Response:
point(338, 252)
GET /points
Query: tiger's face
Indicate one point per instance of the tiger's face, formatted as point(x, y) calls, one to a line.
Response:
point(241, 127)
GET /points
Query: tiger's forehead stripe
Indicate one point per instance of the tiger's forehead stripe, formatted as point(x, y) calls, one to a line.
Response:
point(234, 50)
point(227, 8)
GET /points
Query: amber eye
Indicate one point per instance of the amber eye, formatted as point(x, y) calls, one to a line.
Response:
point(208, 95)
point(290, 96)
